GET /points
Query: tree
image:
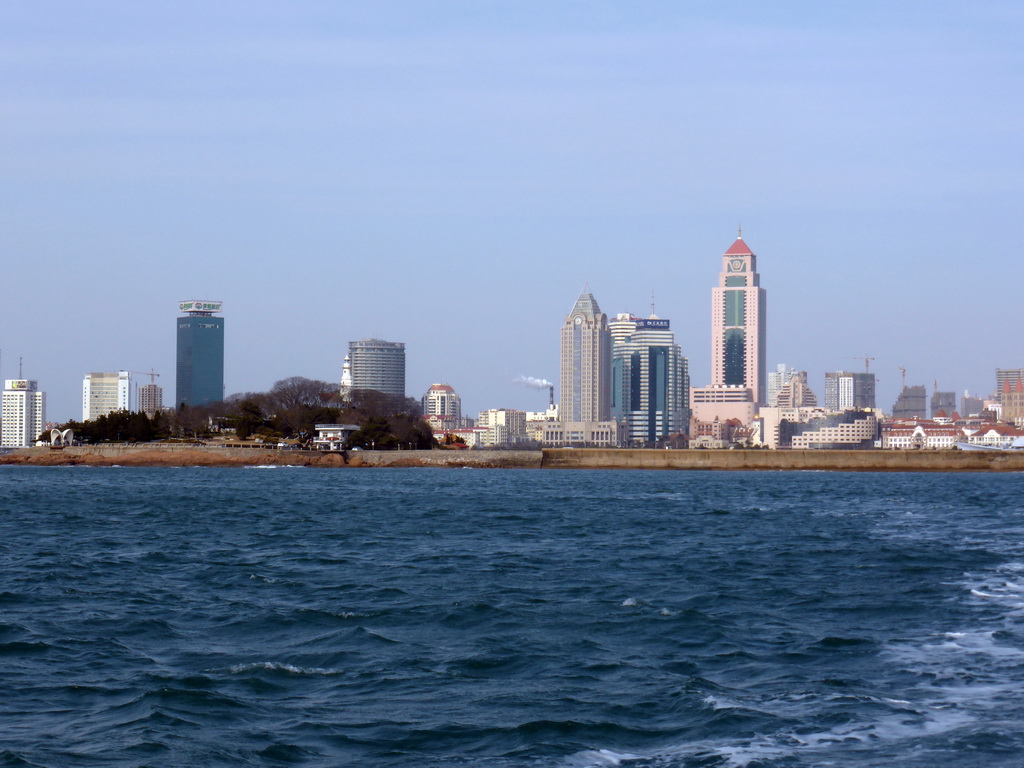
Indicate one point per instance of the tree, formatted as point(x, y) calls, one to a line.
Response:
point(298, 391)
point(411, 432)
point(368, 403)
point(375, 434)
point(194, 420)
point(248, 419)
point(117, 426)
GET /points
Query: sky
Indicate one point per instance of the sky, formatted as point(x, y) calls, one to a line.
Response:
point(451, 175)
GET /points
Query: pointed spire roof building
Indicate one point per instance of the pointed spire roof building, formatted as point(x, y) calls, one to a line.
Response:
point(586, 305)
point(586, 362)
point(739, 248)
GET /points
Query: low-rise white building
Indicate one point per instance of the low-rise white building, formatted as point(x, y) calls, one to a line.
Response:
point(817, 428)
point(994, 436)
point(505, 426)
point(920, 435)
point(333, 437)
point(535, 421)
point(591, 434)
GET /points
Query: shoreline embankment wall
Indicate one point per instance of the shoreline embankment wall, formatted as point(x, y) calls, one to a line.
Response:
point(748, 460)
point(191, 455)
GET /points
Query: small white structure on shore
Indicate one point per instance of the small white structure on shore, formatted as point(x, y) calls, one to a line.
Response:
point(332, 437)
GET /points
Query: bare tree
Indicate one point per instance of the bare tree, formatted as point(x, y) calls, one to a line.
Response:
point(298, 392)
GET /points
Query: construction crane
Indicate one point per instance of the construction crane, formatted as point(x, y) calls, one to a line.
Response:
point(152, 380)
point(151, 373)
point(903, 373)
point(867, 361)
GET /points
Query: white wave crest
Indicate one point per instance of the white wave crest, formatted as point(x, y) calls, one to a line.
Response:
point(291, 669)
point(592, 758)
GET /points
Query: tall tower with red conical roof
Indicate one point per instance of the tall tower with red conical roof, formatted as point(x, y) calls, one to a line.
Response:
point(738, 323)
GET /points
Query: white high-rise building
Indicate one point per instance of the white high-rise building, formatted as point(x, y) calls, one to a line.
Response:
point(442, 400)
point(378, 365)
point(777, 379)
point(24, 413)
point(104, 393)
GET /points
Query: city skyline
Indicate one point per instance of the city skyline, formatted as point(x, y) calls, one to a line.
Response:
point(453, 175)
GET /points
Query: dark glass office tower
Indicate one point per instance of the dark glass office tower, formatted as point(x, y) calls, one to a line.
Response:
point(200, 354)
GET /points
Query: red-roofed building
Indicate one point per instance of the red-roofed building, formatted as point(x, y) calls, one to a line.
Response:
point(738, 329)
point(994, 436)
point(739, 248)
point(442, 400)
point(927, 435)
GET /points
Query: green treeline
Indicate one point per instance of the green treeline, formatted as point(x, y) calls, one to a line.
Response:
point(289, 411)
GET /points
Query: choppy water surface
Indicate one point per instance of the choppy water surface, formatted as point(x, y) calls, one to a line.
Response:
point(165, 617)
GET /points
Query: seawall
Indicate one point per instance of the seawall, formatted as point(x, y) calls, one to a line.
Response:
point(746, 460)
point(190, 455)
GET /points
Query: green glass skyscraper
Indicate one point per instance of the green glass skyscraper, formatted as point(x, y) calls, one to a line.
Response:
point(200, 370)
point(650, 379)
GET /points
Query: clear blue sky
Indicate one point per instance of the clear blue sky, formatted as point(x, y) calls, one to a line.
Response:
point(449, 174)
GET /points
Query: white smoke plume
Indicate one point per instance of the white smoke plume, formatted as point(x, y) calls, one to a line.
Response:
point(530, 381)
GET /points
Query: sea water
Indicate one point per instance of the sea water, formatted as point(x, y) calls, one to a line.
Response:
point(434, 617)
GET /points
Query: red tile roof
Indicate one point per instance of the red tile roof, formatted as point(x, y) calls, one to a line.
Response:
point(739, 248)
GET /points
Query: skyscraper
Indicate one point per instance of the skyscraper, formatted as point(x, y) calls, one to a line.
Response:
point(24, 413)
point(650, 379)
point(1004, 375)
point(944, 402)
point(586, 385)
point(738, 324)
point(442, 400)
point(105, 392)
point(911, 404)
point(378, 365)
point(795, 393)
point(200, 370)
point(586, 363)
point(845, 390)
point(777, 379)
point(151, 399)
